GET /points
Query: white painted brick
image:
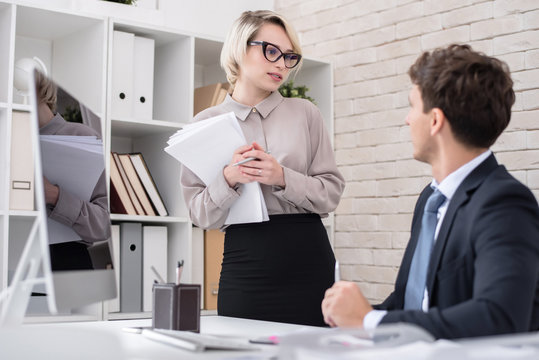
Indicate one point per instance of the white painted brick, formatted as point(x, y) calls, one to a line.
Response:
point(359, 25)
point(373, 274)
point(525, 80)
point(344, 108)
point(521, 41)
point(343, 75)
point(385, 118)
point(394, 15)
point(352, 123)
point(355, 256)
point(405, 133)
point(346, 206)
point(515, 61)
point(485, 46)
point(360, 188)
point(393, 84)
point(334, 46)
point(374, 205)
point(510, 141)
point(401, 99)
point(378, 170)
point(374, 103)
point(399, 48)
point(437, 6)
point(364, 239)
point(382, 291)
point(400, 239)
point(445, 37)
point(354, 156)
point(519, 175)
point(504, 7)
point(419, 26)
point(495, 27)
point(533, 179)
point(405, 204)
point(530, 99)
point(375, 70)
point(356, 57)
point(394, 222)
point(467, 15)
point(519, 102)
point(374, 38)
point(412, 167)
point(387, 257)
point(356, 222)
point(378, 136)
point(532, 59)
point(345, 141)
point(405, 62)
point(522, 120)
point(519, 160)
point(356, 90)
point(389, 152)
point(398, 187)
point(532, 139)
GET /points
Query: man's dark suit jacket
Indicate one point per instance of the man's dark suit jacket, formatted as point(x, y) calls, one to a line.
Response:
point(483, 276)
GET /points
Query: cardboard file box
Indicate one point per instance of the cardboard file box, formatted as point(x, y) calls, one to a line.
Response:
point(176, 307)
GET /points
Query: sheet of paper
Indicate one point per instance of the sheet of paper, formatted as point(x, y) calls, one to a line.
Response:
point(74, 163)
point(205, 147)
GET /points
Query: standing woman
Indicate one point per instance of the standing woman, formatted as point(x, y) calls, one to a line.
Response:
point(276, 270)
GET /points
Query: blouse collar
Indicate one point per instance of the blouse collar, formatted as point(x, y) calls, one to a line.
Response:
point(264, 108)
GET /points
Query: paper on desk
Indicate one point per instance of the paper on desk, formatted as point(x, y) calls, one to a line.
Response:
point(74, 163)
point(205, 147)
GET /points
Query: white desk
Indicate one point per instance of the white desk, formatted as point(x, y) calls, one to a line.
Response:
point(105, 340)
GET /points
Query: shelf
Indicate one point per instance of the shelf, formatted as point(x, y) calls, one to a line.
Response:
point(149, 219)
point(23, 213)
point(137, 128)
point(22, 107)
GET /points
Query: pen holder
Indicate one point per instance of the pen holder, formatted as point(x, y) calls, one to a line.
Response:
point(176, 307)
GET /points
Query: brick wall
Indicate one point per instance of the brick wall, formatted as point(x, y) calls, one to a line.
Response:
point(371, 45)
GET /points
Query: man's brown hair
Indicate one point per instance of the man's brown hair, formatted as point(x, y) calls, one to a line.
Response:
point(474, 91)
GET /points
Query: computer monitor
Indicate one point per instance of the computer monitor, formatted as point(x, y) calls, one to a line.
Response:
point(68, 254)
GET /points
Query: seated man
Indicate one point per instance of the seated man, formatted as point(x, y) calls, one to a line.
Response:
point(471, 267)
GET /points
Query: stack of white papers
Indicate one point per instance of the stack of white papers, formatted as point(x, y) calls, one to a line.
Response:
point(74, 163)
point(206, 147)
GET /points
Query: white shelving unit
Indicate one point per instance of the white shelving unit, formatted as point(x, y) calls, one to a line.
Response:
point(76, 47)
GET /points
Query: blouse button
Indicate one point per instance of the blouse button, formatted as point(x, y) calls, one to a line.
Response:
point(254, 110)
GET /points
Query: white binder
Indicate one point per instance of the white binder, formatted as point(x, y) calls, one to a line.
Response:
point(154, 253)
point(21, 183)
point(143, 64)
point(123, 45)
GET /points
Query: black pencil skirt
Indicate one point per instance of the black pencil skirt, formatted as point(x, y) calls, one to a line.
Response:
point(277, 270)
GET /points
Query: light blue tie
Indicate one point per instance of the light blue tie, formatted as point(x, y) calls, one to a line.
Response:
point(417, 278)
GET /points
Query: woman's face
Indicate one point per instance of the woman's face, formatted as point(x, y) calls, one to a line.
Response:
point(256, 71)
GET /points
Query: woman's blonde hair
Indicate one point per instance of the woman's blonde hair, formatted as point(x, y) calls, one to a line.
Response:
point(244, 30)
point(46, 91)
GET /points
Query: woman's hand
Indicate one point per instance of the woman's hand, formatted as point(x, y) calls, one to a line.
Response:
point(265, 170)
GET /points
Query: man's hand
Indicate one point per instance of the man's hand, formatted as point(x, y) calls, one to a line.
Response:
point(344, 305)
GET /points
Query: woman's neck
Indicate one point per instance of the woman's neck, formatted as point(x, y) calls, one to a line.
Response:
point(249, 95)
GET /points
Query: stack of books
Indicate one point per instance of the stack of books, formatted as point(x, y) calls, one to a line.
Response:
point(132, 188)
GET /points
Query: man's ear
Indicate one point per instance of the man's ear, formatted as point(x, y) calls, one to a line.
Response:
point(437, 120)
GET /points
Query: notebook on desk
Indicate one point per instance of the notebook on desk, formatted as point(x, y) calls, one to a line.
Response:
point(193, 341)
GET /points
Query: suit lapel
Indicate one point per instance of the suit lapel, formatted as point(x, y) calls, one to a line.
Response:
point(461, 196)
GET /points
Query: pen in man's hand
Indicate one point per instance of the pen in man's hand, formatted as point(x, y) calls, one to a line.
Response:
point(337, 271)
point(241, 162)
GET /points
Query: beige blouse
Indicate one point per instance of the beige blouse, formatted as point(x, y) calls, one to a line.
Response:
point(293, 131)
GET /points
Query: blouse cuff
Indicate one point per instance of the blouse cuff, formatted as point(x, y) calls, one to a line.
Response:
point(222, 195)
point(67, 208)
point(296, 186)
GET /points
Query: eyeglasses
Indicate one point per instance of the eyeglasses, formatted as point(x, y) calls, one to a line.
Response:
point(272, 53)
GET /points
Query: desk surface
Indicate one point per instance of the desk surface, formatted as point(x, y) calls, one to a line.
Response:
point(106, 340)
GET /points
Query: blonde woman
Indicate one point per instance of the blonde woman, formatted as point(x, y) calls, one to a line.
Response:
point(276, 270)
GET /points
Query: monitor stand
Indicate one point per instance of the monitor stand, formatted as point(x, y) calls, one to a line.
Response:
point(14, 299)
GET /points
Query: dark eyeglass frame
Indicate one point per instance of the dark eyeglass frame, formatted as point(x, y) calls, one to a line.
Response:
point(265, 44)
